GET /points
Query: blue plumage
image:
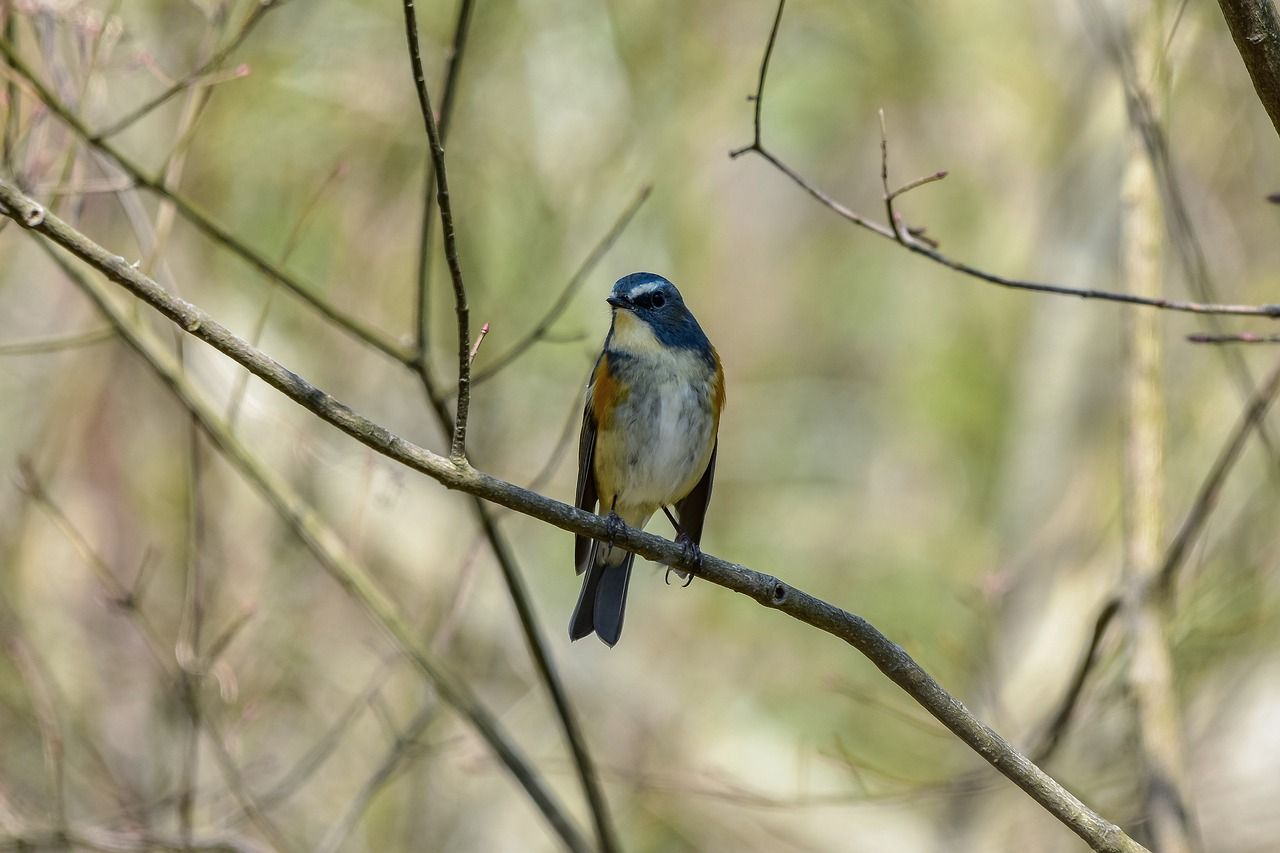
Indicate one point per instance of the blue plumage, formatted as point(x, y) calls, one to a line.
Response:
point(648, 437)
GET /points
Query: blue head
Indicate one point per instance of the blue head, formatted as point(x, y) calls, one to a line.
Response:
point(653, 303)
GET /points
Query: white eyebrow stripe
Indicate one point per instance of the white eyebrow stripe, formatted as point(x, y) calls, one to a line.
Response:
point(641, 289)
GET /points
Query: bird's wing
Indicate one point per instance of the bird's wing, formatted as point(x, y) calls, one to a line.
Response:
point(587, 494)
point(692, 508)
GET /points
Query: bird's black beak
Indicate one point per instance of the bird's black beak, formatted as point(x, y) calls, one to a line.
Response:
point(619, 301)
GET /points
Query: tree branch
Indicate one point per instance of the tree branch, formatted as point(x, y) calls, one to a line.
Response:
point(458, 449)
point(1255, 28)
point(461, 27)
point(766, 590)
point(539, 649)
point(924, 249)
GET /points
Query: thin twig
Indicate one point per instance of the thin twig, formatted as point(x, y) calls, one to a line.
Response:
point(923, 249)
point(247, 799)
point(256, 14)
point(398, 754)
point(1057, 727)
point(35, 674)
point(475, 348)
point(917, 183)
point(58, 344)
point(117, 594)
point(1207, 495)
point(757, 144)
point(1190, 250)
point(189, 637)
point(764, 589)
point(557, 307)
point(461, 27)
point(1174, 558)
point(890, 216)
point(458, 448)
point(358, 328)
point(236, 399)
point(1240, 338)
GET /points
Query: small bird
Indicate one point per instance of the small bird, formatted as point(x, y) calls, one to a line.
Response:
point(648, 439)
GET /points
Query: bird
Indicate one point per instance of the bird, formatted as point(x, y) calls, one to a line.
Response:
point(648, 442)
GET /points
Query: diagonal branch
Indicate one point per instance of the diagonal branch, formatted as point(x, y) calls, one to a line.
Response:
point(922, 248)
point(766, 590)
point(1255, 28)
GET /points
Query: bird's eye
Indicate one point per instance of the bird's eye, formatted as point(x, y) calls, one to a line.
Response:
point(658, 300)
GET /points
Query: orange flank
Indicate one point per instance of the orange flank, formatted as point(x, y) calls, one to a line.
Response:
point(718, 389)
point(606, 393)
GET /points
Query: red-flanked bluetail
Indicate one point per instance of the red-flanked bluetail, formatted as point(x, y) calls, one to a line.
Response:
point(648, 438)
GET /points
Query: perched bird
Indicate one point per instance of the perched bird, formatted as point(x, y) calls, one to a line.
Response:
point(648, 438)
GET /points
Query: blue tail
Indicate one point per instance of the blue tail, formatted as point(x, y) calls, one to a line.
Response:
point(603, 600)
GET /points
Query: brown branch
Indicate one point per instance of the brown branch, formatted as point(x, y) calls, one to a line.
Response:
point(461, 27)
point(924, 249)
point(458, 449)
point(764, 589)
point(1255, 28)
point(1241, 338)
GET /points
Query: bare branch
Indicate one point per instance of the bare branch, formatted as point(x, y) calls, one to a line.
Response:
point(58, 344)
point(1061, 719)
point(923, 249)
point(458, 449)
point(534, 638)
point(1207, 495)
point(1240, 338)
point(766, 590)
point(461, 27)
point(1255, 27)
point(475, 348)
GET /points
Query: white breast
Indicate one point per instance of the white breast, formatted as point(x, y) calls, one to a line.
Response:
point(659, 441)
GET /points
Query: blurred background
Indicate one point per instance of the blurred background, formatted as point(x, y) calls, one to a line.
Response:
point(936, 454)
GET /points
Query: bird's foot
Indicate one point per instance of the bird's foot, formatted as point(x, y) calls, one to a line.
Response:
point(614, 527)
point(691, 554)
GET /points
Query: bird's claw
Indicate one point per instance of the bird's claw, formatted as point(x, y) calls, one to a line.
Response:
point(691, 553)
point(614, 527)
